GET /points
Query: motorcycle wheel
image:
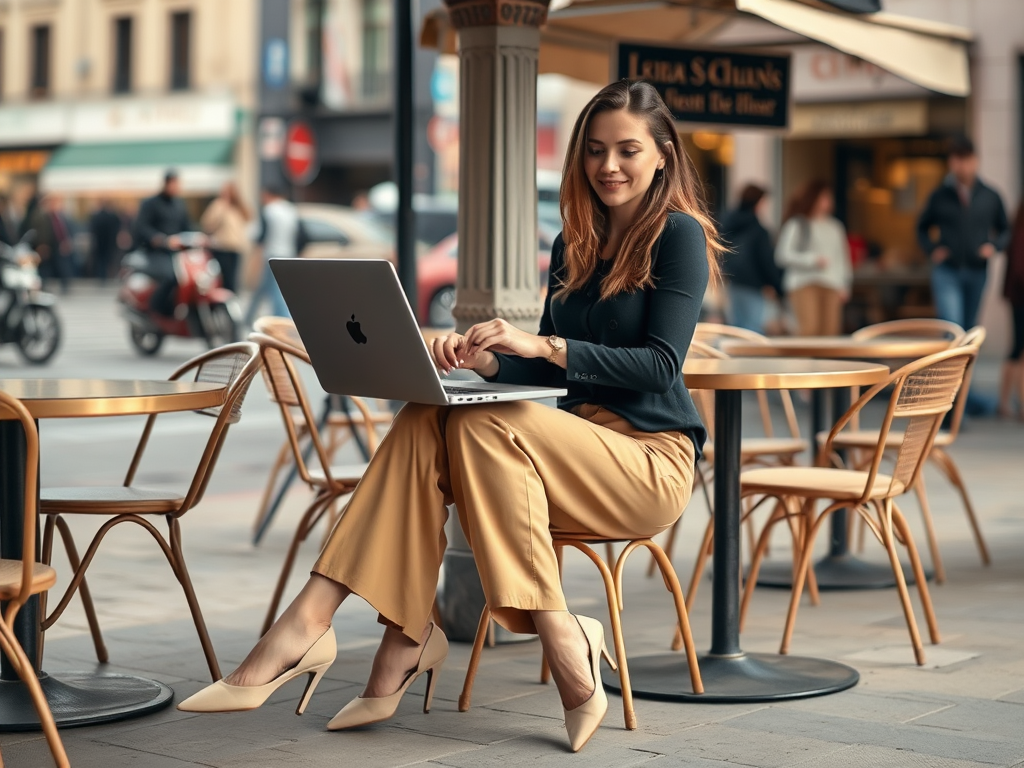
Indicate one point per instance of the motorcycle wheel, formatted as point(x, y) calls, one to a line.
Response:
point(146, 342)
point(220, 327)
point(39, 335)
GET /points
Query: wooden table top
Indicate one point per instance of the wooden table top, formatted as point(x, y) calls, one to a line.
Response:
point(779, 373)
point(839, 347)
point(73, 398)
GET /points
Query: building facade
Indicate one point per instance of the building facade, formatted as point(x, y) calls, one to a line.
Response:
point(99, 97)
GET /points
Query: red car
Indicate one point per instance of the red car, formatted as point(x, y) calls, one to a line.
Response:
point(436, 271)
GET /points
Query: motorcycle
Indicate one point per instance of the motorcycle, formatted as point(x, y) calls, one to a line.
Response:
point(204, 308)
point(27, 316)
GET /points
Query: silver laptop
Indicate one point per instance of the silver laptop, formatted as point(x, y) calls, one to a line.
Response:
point(362, 337)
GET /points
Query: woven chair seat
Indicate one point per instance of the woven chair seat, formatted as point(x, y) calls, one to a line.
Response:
point(109, 499)
point(43, 577)
point(816, 482)
point(762, 446)
point(868, 438)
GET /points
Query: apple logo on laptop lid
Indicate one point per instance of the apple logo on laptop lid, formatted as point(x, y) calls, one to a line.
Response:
point(352, 326)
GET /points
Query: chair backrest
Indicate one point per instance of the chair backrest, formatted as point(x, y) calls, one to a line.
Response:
point(281, 362)
point(928, 327)
point(13, 409)
point(922, 393)
point(712, 334)
point(974, 338)
point(233, 366)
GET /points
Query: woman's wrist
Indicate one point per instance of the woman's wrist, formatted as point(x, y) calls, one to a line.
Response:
point(488, 368)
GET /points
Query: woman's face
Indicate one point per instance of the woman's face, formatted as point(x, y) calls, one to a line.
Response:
point(824, 205)
point(620, 159)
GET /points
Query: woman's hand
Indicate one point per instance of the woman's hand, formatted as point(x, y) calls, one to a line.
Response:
point(501, 336)
point(450, 352)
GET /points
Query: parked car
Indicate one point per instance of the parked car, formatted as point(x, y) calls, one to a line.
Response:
point(334, 231)
point(437, 269)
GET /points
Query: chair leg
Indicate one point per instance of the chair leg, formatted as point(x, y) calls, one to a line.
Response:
point(474, 660)
point(901, 584)
point(811, 528)
point(798, 528)
point(949, 468)
point(306, 524)
point(757, 555)
point(929, 529)
point(83, 589)
point(915, 563)
point(670, 544)
point(702, 560)
point(280, 463)
point(181, 570)
point(10, 647)
point(683, 628)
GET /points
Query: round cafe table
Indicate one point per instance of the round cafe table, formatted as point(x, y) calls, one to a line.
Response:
point(75, 698)
point(730, 674)
point(839, 569)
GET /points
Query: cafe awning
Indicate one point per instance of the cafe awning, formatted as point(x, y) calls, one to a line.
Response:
point(579, 37)
point(138, 167)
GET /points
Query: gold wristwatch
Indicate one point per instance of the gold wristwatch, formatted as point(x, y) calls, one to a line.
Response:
point(557, 344)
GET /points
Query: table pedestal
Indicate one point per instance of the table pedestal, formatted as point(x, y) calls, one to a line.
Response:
point(729, 674)
point(77, 698)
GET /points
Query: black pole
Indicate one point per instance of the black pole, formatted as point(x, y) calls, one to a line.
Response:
point(405, 220)
point(725, 621)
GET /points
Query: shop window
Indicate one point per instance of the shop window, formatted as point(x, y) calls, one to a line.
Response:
point(39, 72)
point(181, 51)
point(122, 55)
point(376, 49)
point(2, 55)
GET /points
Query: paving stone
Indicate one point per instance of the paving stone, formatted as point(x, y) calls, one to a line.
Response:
point(867, 705)
point(541, 752)
point(936, 656)
point(1017, 697)
point(780, 722)
point(861, 756)
point(84, 752)
point(978, 717)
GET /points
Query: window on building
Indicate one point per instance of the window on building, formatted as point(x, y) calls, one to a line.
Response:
point(314, 40)
point(122, 55)
point(39, 72)
point(376, 49)
point(2, 55)
point(181, 51)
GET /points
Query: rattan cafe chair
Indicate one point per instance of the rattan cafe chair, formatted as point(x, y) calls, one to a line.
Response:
point(862, 441)
point(234, 366)
point(920, 327)
point(611, 575)
point(20, 579)
point(922, 393)
point(282, 363)
point(338, 427)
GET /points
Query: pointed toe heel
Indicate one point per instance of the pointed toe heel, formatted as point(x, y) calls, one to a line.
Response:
point(224, 697)
point(583, 721)
point(365, 711)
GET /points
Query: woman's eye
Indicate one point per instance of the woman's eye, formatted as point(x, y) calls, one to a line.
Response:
point(594, 152)
point(630, 152)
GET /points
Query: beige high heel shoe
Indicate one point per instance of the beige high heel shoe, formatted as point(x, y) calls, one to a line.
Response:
point(362, 711)
point(223, 697)
point(582, 722)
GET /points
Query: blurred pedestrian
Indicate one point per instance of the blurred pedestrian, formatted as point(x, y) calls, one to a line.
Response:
point(961, 227)
point(6, 231)
point(105, 226)
point(748, 265)
point(1012, 384)
point(224, 220)
point(815, 254)
point(969, 219)
point(278, 238)
point(161, 219)
point(53, 240)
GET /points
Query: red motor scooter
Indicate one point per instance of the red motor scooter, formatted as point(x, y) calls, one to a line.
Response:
point(204, 308)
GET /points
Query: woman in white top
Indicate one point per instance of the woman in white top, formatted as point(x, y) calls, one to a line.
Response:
point(814, 252)
point(224, 221)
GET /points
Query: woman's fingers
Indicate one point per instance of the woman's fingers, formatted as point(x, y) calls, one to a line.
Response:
point(444, 350)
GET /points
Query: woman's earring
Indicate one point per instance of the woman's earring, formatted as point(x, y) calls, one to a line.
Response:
point(659, 174)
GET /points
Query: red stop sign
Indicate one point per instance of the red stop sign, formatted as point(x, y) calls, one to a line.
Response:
point(301, 160)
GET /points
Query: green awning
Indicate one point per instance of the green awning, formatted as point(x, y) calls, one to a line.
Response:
point(166, 153)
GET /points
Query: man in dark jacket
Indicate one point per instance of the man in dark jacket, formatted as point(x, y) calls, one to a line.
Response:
point(105, 226)
point(962, 226)
point(161, 218)
point(749, 265)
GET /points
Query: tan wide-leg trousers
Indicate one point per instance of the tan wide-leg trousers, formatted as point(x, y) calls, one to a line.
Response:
point(515, 471)
point(818, 310)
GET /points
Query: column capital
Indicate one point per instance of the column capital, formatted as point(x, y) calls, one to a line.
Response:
point(497, 13)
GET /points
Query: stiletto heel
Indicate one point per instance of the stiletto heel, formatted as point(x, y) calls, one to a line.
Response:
point(224, 697)
point(311, 684)
point(432, 675)
point(608, 658)
point(582, 722)
point(364, 711)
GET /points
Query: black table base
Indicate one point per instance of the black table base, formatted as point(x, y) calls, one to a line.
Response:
point(836, 573)
point(734, 680)
point(81, 698)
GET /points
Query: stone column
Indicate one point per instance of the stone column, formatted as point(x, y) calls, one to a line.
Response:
point(499, 43)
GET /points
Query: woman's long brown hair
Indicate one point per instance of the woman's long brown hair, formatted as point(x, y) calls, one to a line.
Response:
point(805, 198)
point(585, 217)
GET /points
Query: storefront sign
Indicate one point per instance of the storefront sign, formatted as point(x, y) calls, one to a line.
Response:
point(821, 73)
point(713, 86)
point(876, 118)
